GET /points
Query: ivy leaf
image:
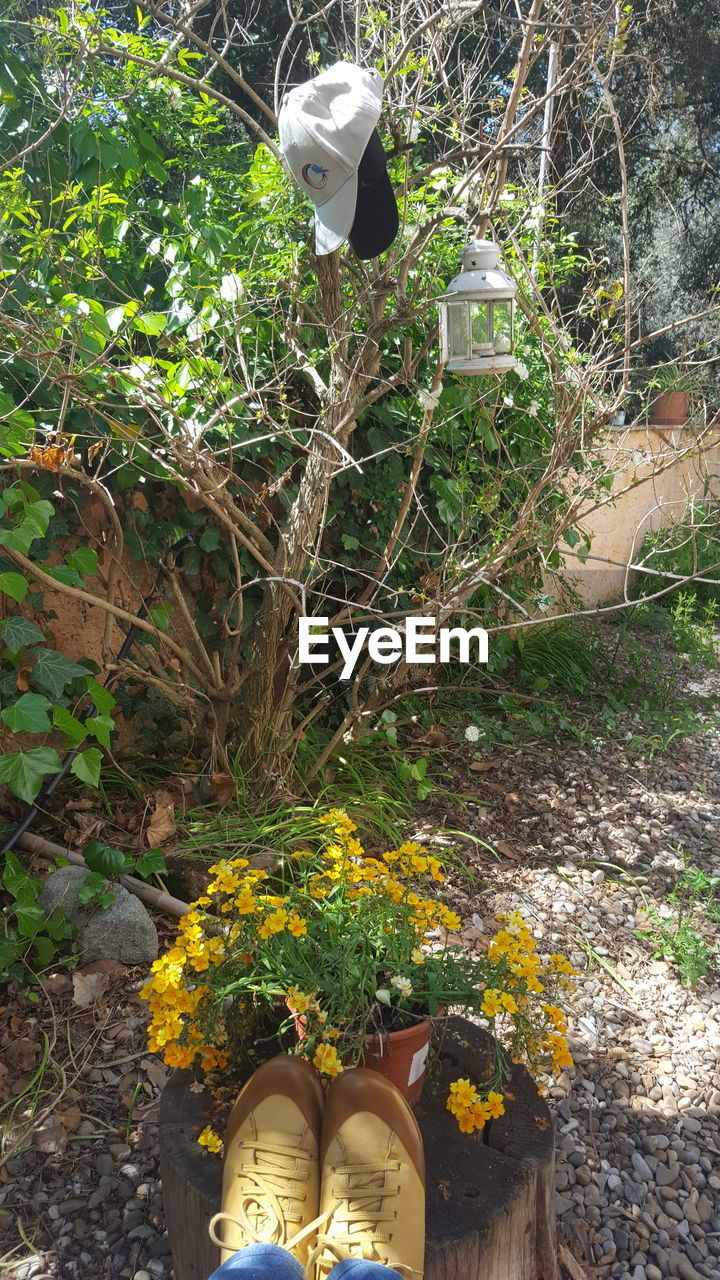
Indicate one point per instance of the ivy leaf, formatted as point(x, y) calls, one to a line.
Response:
point(29, 714)
point(86, 766)
point(30, 920)
point(210, 540)
point(102, 859)
point(103, 700)
point(13, 584)
point(19, 632)
point(24, 770)
point(63, 573)
point(160, 616)
point(152, 863)
point(53, 671)
point(15, 878)
point(84, 559)
point(100, 727)
point(74, 728)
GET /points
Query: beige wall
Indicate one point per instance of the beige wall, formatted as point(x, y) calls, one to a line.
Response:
point(657, 470)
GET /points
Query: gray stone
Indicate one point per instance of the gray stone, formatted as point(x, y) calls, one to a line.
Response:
point(641, 1166)
point(652, 1272)
point(123, 931)
point(104, 1164)
point(667, 1175)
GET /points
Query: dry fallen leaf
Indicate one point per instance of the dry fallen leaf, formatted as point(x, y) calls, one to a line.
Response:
point(155, 1071)
point(105, 965)
point(52, 1139)
point(444, 1189)
point(126, 1088)
point(6, 1089)
point(88, 987)
point(481, 766)
point(197, 1086)
point(221, 788)
point(21, 1054)
point(435, 737)
point(161, 825)
point(505, 849)
point(69, 1118)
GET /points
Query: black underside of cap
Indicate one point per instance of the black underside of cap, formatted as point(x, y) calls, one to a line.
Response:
point(376, 221)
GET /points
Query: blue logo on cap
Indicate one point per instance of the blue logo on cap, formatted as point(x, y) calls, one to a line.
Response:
point(314, 175)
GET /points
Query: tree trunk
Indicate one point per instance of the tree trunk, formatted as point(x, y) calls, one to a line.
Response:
point(489, 1196)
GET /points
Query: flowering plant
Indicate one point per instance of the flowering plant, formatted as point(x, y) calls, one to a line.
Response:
point(347, 943)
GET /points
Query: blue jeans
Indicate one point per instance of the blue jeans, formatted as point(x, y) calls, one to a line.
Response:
point(271, 1262)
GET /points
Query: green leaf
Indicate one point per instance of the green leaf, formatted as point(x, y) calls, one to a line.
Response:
point(572, 537)
point(45, 950)
point(74, 728)
point(160, 616)
point(29, 714)
point(210, 540)
point(104, 860)
point(24, 771)
point(86, 766)
point(13, 584)
point(152, 863)
point(54, 672)
point(153, 322)
point(84, 559)
point(30, 920)
point(63, 573)
point(103, 700)
point(383, 995)
point(15, 878)
point(19, 632)
point(92, 887)
point(100, 727)
point(350, 543)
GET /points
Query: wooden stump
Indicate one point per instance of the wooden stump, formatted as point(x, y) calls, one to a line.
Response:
point(490, 1195)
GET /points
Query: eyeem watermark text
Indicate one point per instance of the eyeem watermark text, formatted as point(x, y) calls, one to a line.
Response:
point(417, 641)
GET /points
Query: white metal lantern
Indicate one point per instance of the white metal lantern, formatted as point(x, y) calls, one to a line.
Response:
point(477, 314)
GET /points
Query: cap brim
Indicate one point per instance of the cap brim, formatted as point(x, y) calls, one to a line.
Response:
point(334, 218)
point(376, 220)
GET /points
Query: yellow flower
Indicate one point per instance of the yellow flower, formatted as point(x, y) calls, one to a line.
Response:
point(326, 1060)
point(297, 925)
point(494, 1105)
point(210, 1139)
point(492, 1003)
point(508, 1002)
point(462, 1093)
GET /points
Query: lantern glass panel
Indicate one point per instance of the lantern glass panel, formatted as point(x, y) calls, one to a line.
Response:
point(502, 327)
point(457, 329)
point(480, 328)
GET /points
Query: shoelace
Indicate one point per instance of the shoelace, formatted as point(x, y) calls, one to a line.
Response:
point(273, 1197)
point(361, 1213)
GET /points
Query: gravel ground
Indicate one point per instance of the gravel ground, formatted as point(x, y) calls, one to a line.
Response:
point(584, 834)
point(638, 1120)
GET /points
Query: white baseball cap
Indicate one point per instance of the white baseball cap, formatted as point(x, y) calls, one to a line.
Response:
point(325, 125)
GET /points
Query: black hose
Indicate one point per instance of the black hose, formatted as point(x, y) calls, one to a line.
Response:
point(89, 708)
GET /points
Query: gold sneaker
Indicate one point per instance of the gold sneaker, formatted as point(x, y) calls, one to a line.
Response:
point(271, 1173)
point(372, 1192)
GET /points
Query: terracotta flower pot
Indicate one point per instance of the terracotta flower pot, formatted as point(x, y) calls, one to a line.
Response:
point(402, 1056)
point(399, 1055)
point(671, 409)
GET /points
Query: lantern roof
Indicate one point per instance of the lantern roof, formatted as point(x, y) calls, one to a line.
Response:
point(481, 278)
